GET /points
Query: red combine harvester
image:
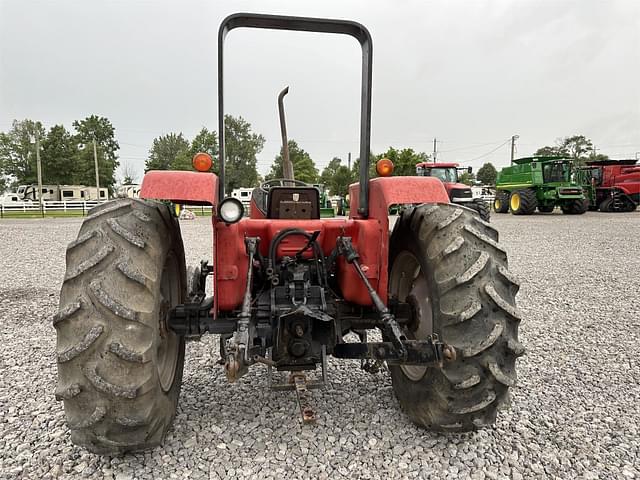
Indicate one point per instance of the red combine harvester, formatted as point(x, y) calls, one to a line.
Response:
point(288, 287)
point(458, 193)
point(612, 185)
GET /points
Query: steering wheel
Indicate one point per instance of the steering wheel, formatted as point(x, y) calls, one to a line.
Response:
point(281, 182)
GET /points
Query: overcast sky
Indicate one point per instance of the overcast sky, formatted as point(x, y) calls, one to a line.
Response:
point(471, 73)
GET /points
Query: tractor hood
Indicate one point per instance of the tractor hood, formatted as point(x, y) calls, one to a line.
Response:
point(459, 192)
point(457, 186)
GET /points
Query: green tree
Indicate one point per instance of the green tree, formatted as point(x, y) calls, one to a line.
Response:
point(577, 147)
point(101, 130)
point(549, 151)
point(339, 184)
point(166, 150)
point(337, 177)
point(355, 168)
point(330, 170)
point(467, 178)
point(487, 174)
point(242, 148)
point(18, 152)
point(59, 157)
point(205, 141)
point(404, 161)
point(129, 176)
point(304, 168)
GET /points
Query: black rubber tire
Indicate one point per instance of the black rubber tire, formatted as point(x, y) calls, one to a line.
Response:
point(481, 207)
point(546, 208)
point(575, 207)
point(472, 295)
point(109, 327)
point(501, 202)
point(605, 205)
point(528, 202)
point(627, 205)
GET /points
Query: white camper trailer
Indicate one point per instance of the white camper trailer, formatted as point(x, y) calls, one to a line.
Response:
point(128, 191)
point(61, 193)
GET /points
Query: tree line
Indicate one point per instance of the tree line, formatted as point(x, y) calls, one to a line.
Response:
point(67, 156)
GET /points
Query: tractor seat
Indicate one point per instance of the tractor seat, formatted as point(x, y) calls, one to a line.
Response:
point(278, 200)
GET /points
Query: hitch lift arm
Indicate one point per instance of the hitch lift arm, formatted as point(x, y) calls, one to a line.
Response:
point(399, 350)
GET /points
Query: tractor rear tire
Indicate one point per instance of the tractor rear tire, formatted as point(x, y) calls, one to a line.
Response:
point(481, 207)
point(575, 207)
point(119, 366)
point(448, 265)
point(501, 202)
point(546, 208)
point(523, 202)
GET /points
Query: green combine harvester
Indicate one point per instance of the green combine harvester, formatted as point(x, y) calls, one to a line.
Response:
point(539, 182)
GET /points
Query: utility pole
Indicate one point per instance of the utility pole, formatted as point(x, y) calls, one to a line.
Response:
point(95, 160)
point(513, 146)
point(39, 166)
point(349, 161)
point(435, 150)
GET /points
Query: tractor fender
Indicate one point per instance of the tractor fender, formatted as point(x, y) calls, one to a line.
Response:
point(187, 188)
point(387, 191)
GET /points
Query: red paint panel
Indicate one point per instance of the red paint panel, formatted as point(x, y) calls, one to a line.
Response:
point(188, 188)
point(370, 238)
point(254, 211)
point(231, 257)
point(387, 191)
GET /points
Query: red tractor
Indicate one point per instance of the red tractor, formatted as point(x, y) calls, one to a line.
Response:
point(287, 288)
point(611, 185)
point(459, 193)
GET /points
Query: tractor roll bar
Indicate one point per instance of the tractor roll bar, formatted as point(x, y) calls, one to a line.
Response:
point(304, 24)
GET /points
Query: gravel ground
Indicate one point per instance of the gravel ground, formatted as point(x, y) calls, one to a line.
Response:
point(574, 414)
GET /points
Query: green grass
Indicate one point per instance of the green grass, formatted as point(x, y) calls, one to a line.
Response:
point(37, 214)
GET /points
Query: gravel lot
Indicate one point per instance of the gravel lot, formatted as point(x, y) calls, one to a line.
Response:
point(574, 414)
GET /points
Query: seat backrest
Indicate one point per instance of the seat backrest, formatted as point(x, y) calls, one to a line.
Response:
point(293, 203)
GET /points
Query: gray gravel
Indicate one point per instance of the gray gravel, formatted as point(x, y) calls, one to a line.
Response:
point(574, 414)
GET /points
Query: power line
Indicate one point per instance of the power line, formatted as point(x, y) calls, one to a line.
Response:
point(488, 153)
point(469, 147)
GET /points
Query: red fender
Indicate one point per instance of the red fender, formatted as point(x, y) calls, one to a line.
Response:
point(387, 191)
point(187, 188)
point(384, 192)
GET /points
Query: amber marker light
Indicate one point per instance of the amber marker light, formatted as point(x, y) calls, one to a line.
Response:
point(384, 167)
point(202, 162)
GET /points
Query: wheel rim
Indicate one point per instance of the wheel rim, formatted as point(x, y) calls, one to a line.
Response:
point(497, 204)
point(169, 344)
point(408, 284)
point(515, 202)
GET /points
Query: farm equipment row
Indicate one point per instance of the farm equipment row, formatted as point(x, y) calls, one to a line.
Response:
point(544, 183)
